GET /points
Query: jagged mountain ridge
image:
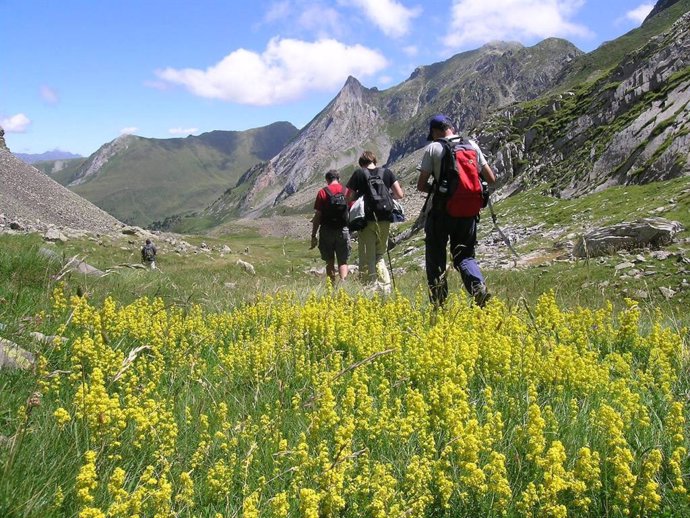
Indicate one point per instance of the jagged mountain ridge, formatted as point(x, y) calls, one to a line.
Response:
point(630, 126)
point(56, 154)
point(478, 87)
point(141, 180)
point(393, 122)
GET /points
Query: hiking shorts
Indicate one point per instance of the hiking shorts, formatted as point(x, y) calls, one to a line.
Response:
point(334, 242)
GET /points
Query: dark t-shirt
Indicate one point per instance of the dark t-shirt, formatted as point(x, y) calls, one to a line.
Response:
point(359, 184)
point(358, 180)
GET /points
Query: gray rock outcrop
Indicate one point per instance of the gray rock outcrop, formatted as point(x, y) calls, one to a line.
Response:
point(14, 357)
point(631, 126)
point(647, 232)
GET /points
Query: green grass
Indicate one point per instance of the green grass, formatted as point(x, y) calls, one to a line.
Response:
point(218, 284)
point(183, 282)
point(282, 263)
point(611, 206)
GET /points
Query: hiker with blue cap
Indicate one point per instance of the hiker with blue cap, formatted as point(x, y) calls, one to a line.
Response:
point(454, 172)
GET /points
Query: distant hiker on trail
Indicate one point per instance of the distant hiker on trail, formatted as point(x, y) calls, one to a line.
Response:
point(148, 254)
point(457, 166)
point(330, 222)
point(379, 187)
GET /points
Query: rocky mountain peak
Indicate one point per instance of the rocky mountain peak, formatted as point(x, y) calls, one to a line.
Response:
point(501, 47)
point(101, 157)
point(351, 83)
point(351, 94)
point(630, 126)
point(661, 5)
point(2, 140)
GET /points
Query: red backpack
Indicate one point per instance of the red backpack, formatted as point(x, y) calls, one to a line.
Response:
point(460, 190)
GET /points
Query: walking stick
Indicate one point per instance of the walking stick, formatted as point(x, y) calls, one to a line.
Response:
point(500, 232)
point(390, 265)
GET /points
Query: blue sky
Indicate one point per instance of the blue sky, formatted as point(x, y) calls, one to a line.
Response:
point(75, 74)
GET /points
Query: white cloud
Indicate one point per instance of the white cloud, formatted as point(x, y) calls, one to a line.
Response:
point(638, 14)
point(49, 95)
point(277, 11)
point(183, 131)
point(16, 123)
point(157, 85)
point(300, 16)
point(128, 131)
point(411, 50)
point(479, 21)
point(323, 21)
point(392, 17)
point(285, 71)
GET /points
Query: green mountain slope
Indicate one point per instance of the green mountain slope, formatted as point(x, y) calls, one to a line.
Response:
point(61, 170)
point(141, 180)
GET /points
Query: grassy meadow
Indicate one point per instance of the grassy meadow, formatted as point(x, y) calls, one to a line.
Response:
point(201, 390)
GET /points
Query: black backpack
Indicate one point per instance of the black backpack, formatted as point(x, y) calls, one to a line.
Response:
point(148, 253)
point(334, 213)
point(378, 203)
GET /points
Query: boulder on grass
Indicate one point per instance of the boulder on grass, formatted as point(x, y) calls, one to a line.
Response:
point(647, 232)
point(14, 357)
point(247, 267)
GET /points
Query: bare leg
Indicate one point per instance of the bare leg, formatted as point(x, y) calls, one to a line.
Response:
point(343, 270)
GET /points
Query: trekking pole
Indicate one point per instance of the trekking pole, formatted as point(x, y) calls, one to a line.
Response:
point(390, 265)
point(500, 232)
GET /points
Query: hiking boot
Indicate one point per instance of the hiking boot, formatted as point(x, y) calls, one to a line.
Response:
point(481, 295)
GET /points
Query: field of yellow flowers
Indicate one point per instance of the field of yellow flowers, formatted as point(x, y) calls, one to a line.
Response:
point(351, 406)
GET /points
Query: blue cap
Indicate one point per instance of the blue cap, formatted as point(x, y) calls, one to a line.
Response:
point(439, 121)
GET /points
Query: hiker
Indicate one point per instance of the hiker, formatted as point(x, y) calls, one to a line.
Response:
point(148, 254)
point(449, 214)
point(379, 187)
point(330, 222)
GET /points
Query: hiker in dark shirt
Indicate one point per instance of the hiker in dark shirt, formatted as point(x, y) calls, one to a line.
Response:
point(148, 254)
point(373, 239)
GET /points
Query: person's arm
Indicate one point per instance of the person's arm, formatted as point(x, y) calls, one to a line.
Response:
point(423, 181)
point(488, 174)
point(351, 188)
point(396, 191)
point(433, 152)
point(485, 170)
point(315, 224)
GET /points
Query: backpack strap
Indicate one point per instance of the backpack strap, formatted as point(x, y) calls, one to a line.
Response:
point(445, 161)
point(446, 158)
